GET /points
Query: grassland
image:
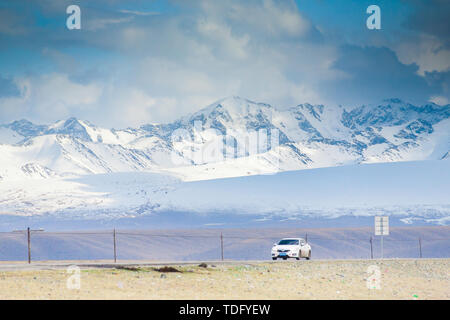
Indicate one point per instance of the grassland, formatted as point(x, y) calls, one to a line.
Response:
point(337, 279)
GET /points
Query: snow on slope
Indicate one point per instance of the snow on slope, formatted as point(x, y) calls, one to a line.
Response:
point(412, 190)
point(73, 167)
point(310, 136)
point(70, 156)
point(91, 196)
point(8, 136)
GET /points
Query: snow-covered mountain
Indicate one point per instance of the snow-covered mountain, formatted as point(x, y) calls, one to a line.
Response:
point(73, 168)
point(308, 136)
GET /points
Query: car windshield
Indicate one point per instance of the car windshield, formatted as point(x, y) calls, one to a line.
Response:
point(288, 242)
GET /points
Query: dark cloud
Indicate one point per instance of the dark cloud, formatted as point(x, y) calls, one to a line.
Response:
point(159, 67)
point(431, 17)
point(440, 80)
point(373, 74)
point(12, 23)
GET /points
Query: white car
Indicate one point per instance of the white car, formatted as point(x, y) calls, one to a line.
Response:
point(291, 248)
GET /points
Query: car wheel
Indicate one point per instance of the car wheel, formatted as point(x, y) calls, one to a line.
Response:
point(284, 258)
point(274, 258)
point(309, 255)
point(299, 255)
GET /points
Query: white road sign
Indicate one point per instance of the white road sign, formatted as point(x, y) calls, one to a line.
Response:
point(381, 226)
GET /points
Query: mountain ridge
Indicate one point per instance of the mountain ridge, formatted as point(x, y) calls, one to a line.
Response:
point(310, 136)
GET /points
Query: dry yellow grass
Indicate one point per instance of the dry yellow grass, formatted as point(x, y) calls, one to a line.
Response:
point(400, 279)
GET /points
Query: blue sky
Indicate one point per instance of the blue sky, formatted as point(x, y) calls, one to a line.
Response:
point(135, 62)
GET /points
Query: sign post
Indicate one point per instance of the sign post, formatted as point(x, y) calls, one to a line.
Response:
point(382, 229)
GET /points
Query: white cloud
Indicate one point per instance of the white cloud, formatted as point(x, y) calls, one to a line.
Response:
point(426, 51)
point(222, 37)
point(217, 51)
point(51, 96)
point(132, 107)
point(97, 24)
point(440, 100)
point(58, 88)
point(176, 64)
point(140, 13)
point(278, 19)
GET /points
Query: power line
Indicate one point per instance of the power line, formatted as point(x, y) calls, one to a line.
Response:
point(82, 233)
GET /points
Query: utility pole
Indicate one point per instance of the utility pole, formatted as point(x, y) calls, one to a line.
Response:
point(371, 248)
point(420, 247)
point(29, 244)
point(28, 231)
point(115, 251)
point(221, 244)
